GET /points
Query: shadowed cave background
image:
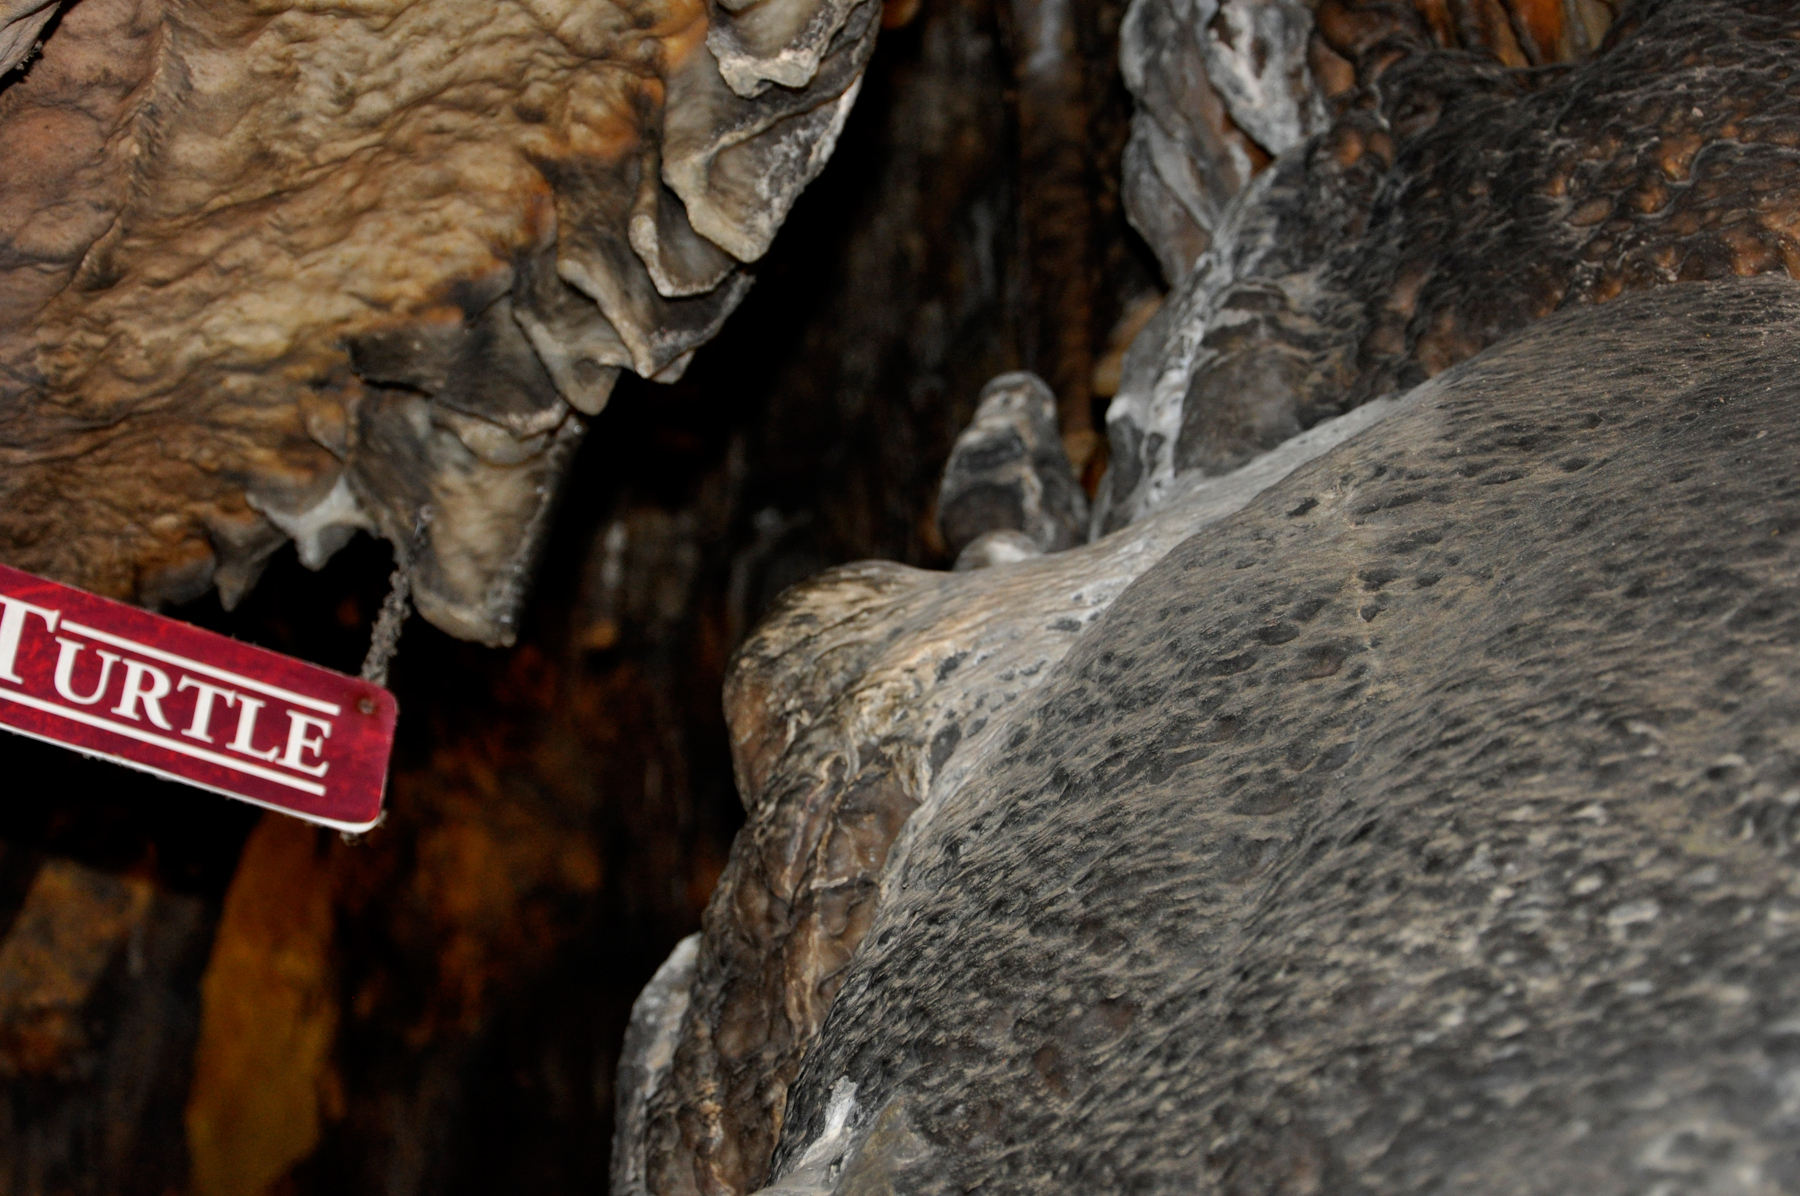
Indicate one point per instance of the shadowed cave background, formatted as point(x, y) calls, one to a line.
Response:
point(436, 1008)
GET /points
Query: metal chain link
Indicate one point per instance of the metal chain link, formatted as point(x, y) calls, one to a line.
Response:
point(384, 641)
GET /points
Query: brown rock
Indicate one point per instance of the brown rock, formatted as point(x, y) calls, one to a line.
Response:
point(1455, 202)
point(302, 271)
point(72, 928)
point(264, 1078)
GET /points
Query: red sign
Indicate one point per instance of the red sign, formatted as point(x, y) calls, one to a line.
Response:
point(163, 696)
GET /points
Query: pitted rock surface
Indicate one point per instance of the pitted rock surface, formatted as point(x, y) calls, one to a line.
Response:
point(858, 702)
point(1224, 85)
point(1453, 203)
point(1429, 825)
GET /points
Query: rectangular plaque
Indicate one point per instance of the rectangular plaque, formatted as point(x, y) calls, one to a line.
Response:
point(168, 698)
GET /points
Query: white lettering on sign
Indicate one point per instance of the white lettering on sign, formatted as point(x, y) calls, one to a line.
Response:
point(65, 672)
point(246, 731)
point(147, 695)
point(298, 742)
point(203, 706)
point(135, 692)
point(12, 626)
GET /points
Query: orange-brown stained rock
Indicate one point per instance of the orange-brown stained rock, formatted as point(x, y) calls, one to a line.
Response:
point(264, 1080)
point(1223, 87)
point(801, 885)
point(1487, 198)
point(857, 700)
point(74, 924)
point(470, 890)
point(1514, 33)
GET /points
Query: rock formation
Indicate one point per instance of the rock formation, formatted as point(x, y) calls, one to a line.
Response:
point(857, 691)
point(1008, 475)
point(945, 760)
point(1453, 204)
point(1428, 824)
point(21, 21)
point(1416, 817)
point(1403, 779)
point(560, 810)
point(298, 271)
point(1222, 86)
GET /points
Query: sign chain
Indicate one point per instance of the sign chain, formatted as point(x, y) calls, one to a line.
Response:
point(384, 641)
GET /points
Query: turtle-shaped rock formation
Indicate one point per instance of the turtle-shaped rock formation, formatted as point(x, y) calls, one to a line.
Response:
point(1476, 239)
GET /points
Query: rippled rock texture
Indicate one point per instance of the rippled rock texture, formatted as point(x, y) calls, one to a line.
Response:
point(1222, 86)
point(437, 1008)
point(286, 271)
point(847, 705)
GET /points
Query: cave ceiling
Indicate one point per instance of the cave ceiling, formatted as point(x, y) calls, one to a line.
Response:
point(275, 272)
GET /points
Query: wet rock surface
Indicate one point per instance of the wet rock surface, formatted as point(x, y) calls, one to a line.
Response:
point(1426, 825)
point(560, 810)
point(1433, 206)
point(855, 704)
point(433, 1010)
point(1223, 86)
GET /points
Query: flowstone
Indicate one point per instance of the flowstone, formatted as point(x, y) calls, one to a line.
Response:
point(1423, 818)
point(287, 271)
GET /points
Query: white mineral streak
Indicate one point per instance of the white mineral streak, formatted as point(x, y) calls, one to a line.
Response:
point(1256, 58)
point(1033, 612)
point(645, 1058)
point(1165, 357)
point(1204, 75)
point(1178, 173)
point(1209, 79)
point(817, 1171)
point(769, 42)
point(322, 528)
point(939, 665)
point(738, 188)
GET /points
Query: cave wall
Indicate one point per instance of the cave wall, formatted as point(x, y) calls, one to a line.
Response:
point(1464, 180)
point(436, 1007)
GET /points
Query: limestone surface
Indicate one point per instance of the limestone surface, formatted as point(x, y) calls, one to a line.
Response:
point(1445, 209)
point(290, 270)
point(857, 700)
point(1009, 472)
point(21, 21)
